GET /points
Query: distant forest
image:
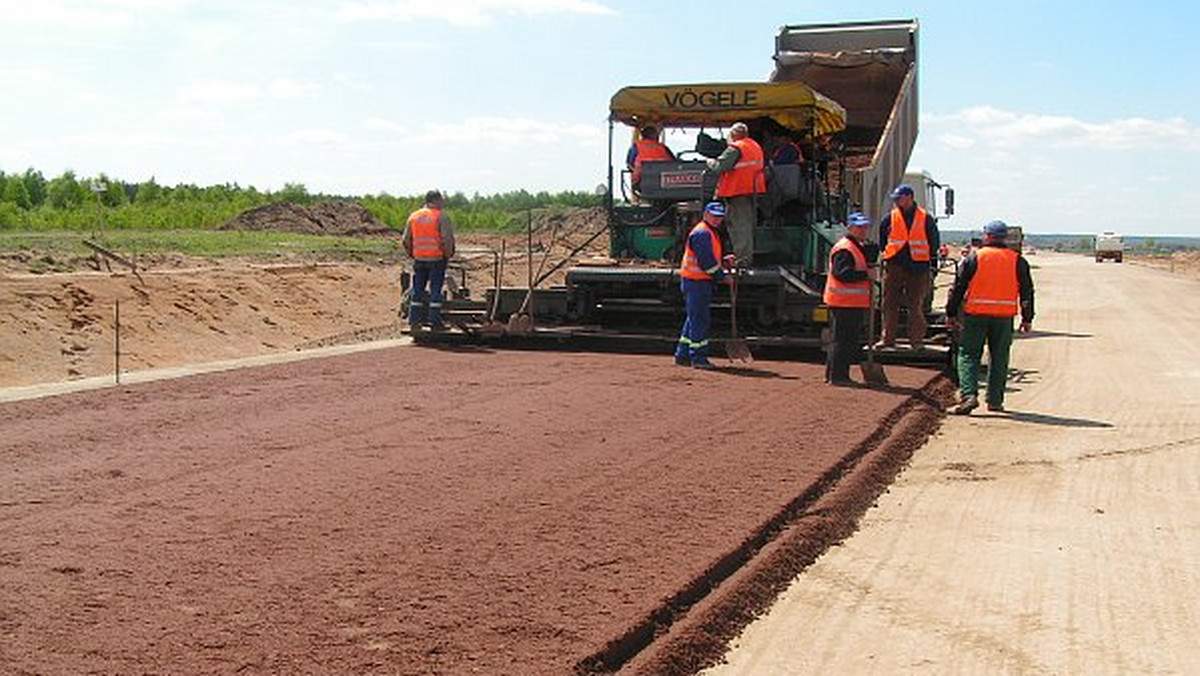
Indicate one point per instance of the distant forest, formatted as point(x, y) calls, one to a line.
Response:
point(30, 201)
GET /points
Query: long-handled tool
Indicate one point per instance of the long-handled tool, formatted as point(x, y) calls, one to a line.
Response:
point(735, 348)
point(521, 322)
point(872, 372)
point(491, 327)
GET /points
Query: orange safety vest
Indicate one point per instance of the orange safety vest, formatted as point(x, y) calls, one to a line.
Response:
point(786, 144)
point(994, 290)
point(746, 177)
point(899, 236)
point(426, 237)
point(847, 294)
point(690, 268)
point(648, 149)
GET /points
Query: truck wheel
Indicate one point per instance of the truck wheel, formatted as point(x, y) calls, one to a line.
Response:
point(1099, 259)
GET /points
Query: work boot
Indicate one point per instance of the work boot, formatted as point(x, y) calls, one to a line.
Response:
point(995, 408)
point(682, 361)
point(704, 365)
point(416, 317)
point(964, 406)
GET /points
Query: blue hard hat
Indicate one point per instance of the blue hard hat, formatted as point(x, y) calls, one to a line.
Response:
point(903, 189)
point(716, 209)
point(996, 229)
point(857, 218)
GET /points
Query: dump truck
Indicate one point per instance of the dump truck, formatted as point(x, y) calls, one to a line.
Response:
point(1109, 246)
point(844, 93)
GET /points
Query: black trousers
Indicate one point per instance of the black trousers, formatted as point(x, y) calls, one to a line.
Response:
point(847, 343)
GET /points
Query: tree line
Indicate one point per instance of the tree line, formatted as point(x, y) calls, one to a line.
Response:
point(30, 201)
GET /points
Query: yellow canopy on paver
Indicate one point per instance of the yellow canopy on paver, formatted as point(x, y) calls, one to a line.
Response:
point(794, 105)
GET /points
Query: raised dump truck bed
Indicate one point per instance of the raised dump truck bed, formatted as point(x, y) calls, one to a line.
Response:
point(870, 68)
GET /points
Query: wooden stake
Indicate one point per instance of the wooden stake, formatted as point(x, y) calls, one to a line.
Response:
point(117, 345)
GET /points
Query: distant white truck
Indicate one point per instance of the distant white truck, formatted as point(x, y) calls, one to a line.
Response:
point(1109, 245)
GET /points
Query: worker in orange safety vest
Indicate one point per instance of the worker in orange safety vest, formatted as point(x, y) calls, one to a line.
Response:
point(994, 285)
point(741, 171)
point(909, 236)
point(848, 295)
point(703, 265)
point(429, 240)
point(646, 149)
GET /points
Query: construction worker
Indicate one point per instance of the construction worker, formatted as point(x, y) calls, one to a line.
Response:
point(429, 240)
point(702, 266)
point(909, 236)
point(646, 149)
point(782, 149)
point(742, 178)
point(993, 285)
point(848, 295)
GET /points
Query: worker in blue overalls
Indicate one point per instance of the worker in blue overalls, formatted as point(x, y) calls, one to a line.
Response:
point(702, 266)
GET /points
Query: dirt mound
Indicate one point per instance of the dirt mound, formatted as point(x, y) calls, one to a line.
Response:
point(570, 221)
point(333, 217)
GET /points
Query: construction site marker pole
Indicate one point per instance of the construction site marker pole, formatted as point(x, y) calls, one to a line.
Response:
point(117, 344)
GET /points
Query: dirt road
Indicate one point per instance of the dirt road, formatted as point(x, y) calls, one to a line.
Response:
point(1063, 538)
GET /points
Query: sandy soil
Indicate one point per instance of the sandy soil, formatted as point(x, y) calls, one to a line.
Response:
point(1184, 263)
point(179, 310)
point(1057, 539)
point(62, 326)
point(426, 511)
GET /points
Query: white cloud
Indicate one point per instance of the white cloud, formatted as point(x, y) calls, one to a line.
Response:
point(94, 14)
point(21, 79)
point(386, 126)
point(463, 12)
point(218, 92)
point(508, 132)
point(1006, 129)
point(354, 81)
point(285, 89)
point(309, 137)
point(1056, 173)
point(225, 92)
point(150, 141)
point(955, 141)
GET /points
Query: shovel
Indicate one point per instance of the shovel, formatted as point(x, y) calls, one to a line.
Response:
point(736, 348)
point(521, 323)
point(491, 327)
point(872, 372)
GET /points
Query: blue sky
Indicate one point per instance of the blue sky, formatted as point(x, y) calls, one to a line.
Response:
point(1060, 116)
